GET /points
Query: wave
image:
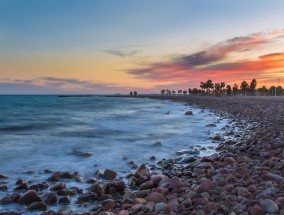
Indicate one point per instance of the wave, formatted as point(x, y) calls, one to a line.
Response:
point(28, 127)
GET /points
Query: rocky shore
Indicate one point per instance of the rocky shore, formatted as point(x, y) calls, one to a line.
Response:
point(245, 176)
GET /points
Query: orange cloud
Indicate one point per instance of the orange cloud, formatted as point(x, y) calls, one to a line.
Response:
point(215, 62)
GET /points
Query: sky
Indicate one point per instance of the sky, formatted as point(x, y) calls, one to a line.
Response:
point(110, 46)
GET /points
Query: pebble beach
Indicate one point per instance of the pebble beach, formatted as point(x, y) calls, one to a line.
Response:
point(245, 174)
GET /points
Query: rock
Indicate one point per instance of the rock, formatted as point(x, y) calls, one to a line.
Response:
point(200, 165)
point(64, 211)
point(65, 200)
point(28, 197)
point(108, 204)
point(257, 210)
point(20, 181)
point(269, 206)
point(88, 197)
point(37, 206)
point(10, 198)
point(274, 176)
point(188, 113)
point(109, 174)
point(155, 197)
point(187, 160)
point(3, 176)
point(251, 188)
point(21, 187)
point(205, 186)
point(217, 137)
point(119, 186)
point(146, 185)
point(66, 192)
point(97, 188)
point(157, 144)
point(59, 186)
point(267, 192)
point(162, 208)
point(152, 158)
point(3, 188)
point(50, 212)
point(229, 160)
point(142, 171)
point(170, 182)
point(136, 208)
point(49, 198)
point(82, 154)
point(129, 196)
point(243, 192)
point(123, 212)
point(211, 125)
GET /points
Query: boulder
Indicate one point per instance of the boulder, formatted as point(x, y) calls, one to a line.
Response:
point(59, 186)
point(269, 206)
point(50, 198)
point(257, 210)
point(28, 197)
point(205, 186)
point(188, 113)
point(170, 182)
point(10, 198)
point(109, 174)
point(155, 197)
point(37, 206)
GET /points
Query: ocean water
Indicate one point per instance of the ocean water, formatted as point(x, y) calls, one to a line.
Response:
point(42, 132)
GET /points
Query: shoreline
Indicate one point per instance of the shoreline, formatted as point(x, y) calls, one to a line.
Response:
point(239, 179)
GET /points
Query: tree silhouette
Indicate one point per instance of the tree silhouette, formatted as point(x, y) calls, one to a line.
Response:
point(244, 87)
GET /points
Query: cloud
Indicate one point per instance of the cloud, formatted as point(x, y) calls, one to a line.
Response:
point(54, 85)
point(217, 61)
point(122, 53)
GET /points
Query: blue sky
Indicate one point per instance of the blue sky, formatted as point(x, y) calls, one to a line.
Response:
point(43, 36)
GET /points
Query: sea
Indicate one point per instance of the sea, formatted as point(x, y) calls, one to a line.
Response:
point(39, 133)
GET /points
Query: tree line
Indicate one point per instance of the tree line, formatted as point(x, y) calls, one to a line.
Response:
point(219, 89)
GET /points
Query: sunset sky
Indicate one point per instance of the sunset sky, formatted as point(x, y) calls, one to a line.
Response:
point(111, 46)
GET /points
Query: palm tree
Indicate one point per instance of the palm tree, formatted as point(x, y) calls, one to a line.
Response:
point(235, 89)
point(252, 85)
point(184, 92)
point(179, 92)
point(189, 91)
point(163, 92)
point(244, 87)
point(229, 90)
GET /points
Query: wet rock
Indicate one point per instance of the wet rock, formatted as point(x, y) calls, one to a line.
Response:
point(188, 113)
point(10, 198)
point(152, 158)
point(119, 186)
point(66, 192)
point(3, 176)
point(3, 188)
point(34, 187)
point(108, 204)
point(65, 211)
point(157, 144)
point(82, 154)
point(142, 171)
point(50, 212)
point(155, 197)
point(170, 183)
point(133, 165)
point(88, 197)
point(28, 197)
point(97, 188)
point(109, 174)
point(49, 198)
point(37, 206)
point(65, 200)
point(217, 137)
point(59, 186)
point(211, 125)
point(21, 187)
point(269, 206)
point(257, 210)
point(20, 181)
